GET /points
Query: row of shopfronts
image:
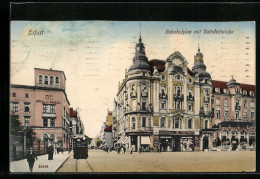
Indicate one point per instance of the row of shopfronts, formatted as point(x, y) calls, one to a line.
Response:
point(188, 141)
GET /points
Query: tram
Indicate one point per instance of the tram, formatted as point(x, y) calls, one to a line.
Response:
point(80, 147)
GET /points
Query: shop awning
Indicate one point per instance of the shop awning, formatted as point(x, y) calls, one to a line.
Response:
point(126, 140)
point(145, 140)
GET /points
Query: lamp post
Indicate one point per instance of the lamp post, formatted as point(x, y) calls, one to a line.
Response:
point(201, 114)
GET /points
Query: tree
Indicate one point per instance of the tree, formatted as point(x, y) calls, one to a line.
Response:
point(30, 136)
point(15, 124)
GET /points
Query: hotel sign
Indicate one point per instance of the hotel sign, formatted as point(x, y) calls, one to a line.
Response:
point(176, 133)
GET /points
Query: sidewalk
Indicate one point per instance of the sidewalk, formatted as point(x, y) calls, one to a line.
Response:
point(42, 164)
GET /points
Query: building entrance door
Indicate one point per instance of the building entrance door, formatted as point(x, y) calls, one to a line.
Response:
point(176, 143)
point(134, 143)
point(205, 143)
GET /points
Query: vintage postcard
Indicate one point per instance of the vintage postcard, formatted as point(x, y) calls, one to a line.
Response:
point(132, 96)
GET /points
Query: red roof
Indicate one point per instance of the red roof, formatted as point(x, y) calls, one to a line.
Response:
point(73, 113)
point(223, 85)
point(108, 129)
point(158, 63)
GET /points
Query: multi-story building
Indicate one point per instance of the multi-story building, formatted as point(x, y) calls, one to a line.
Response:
point(234, 119)
point(163, 105)
point(43, 107)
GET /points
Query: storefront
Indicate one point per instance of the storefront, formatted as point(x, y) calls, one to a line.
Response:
point(140, 141)
point(174, 141)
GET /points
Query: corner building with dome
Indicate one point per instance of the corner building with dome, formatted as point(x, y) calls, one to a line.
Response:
point(163, 106)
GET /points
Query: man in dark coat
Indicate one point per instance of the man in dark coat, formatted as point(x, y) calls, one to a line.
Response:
point(50, 153)
point(31, 158)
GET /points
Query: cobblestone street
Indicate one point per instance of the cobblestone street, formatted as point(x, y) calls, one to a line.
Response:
point(100, 161)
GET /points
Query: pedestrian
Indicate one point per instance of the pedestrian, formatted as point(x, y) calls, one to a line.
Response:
point(140, 150)
point(131, 150)
point(31, 158)
point(58, 150)
point(50, 153)
point(124, 150)
point(118, 150)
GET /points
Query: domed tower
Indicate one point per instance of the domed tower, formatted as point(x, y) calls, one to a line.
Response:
point(199, 68)
point(140, 61)
point(203, 95)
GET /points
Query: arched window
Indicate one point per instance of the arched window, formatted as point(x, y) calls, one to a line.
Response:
point(190, 124)
point(40, 79)
point(162, 122)
point(57, 80)
point(133, 123)
point(51, 80)
point(46, 80)
point(133, 87)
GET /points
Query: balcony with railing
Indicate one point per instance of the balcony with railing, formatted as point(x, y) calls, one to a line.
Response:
point(141, 129)
point(206, 99)
point(163, 96)
point(190, 98)
point(139, 110)
point(178, 97)
point(237, 108)
point(208, 113)
point(144, 94)
point(133, 94)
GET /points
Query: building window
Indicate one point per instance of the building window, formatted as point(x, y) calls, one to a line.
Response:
point(144, 122)
point(163, 104)
point(245, 104)
point(206, 124)
point(237, 115)
point(190, 106)
point(190, 124)
point(252, 105)
point(14, 94)
point(252, 116)
point(45, 108)
point(163, 77)
point(206, 92)
point(52, 123)
point(57, 80)
point(176, 123)
point(133, 123)
point(15, 107)
point(178, 77)
point(143, 105)
point(217, 102)
point(190, 81)
point(162, 122)
point(26, 95)
point(46, 80)
point(225, 115)
point(244, 116)
point(26, 107)
point(178, 104)
point(26, 121)
point(177, 91)
point(226, 103)
point(40, 79)
point(52, 109)
point(51, 80)
point(45, 122)
point(217, 114)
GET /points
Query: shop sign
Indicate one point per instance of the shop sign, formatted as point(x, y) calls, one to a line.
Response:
point(139, 133)
point(207, 132)
point(176, 133)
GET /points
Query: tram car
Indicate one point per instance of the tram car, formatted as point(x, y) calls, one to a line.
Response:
point(80, 147)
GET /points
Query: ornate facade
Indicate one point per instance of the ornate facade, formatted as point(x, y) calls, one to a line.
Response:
point(165, 106)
